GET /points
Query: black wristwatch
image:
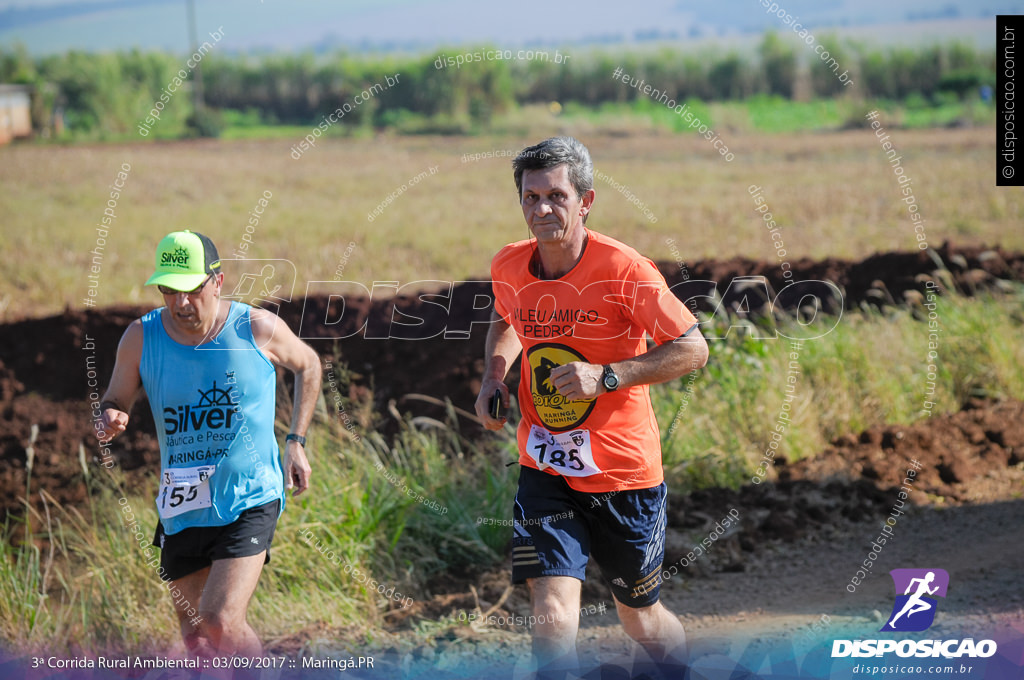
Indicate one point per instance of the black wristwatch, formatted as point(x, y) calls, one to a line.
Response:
point(296, 438)
point(609, 379)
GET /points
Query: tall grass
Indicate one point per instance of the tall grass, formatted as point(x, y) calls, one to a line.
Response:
point(78, 577)
point(871, 369)
point(96, 591)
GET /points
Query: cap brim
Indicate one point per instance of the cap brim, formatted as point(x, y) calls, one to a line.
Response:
point(176, 280)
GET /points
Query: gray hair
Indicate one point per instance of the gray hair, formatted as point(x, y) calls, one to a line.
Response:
point(553, 152)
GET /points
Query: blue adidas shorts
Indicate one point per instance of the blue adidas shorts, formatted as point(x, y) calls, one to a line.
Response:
point(557, 529)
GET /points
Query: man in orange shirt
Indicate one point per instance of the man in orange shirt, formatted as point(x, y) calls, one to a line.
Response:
point(578, 305)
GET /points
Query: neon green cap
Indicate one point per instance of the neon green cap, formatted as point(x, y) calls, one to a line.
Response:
point(183, 260)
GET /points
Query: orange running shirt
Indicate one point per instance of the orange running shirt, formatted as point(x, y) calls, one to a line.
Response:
point(600, 312)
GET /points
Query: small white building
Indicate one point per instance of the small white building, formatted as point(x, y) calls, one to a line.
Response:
point(15, 112)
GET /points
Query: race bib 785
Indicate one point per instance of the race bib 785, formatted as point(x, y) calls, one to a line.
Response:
point(567, 453)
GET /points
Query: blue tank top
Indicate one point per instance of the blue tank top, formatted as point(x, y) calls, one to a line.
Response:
point(213, 405)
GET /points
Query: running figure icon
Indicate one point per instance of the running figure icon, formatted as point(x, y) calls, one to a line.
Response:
point(915, 604)
point(916, 607)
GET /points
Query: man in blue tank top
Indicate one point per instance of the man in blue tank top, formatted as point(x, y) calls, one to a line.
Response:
point(208, 368)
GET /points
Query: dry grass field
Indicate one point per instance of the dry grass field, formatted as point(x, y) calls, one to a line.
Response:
point(72, 577)
point(833, 194)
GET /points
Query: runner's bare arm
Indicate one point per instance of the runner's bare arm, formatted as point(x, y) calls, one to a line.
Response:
point(668, 361)
point(285, 349)
point(665, 362)
point(124, 384)
point(503, 347)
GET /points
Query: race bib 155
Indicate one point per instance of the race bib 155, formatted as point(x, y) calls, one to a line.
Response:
point(184, 489)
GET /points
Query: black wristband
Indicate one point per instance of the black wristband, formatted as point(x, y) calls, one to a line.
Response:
point(296, 438)
point(104, 405)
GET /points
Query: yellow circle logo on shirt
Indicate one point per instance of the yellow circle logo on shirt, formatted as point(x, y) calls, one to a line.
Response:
point(555, 412)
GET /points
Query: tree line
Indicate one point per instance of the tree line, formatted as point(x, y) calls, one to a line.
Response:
point(107, 94)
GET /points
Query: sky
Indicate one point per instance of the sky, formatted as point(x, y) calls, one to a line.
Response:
point(49, 26)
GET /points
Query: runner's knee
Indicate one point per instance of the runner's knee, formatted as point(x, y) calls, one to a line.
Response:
point(549, 610)
point(218, 625)
point(643, 623)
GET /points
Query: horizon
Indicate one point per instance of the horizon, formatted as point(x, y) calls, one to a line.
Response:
point(405, 26)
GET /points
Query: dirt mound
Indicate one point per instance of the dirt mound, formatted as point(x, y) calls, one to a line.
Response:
point(953, 452)
point(882, 279)
point(47, 364)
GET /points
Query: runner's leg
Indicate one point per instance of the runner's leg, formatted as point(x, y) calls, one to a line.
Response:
point(191, 588)
point(919, 607)
point(903, 611)
point(555, 602)
point(657, 630)
point(224, 604)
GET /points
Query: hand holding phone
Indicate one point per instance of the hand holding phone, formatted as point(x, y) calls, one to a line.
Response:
point(496, 405)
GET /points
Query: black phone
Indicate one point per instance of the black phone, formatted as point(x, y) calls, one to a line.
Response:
point(496, 405)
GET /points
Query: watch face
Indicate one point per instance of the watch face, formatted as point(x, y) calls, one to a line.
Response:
point(611, 381)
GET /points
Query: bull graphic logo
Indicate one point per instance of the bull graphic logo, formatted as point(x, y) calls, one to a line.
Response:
point(556, 413)
point(542, 377)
